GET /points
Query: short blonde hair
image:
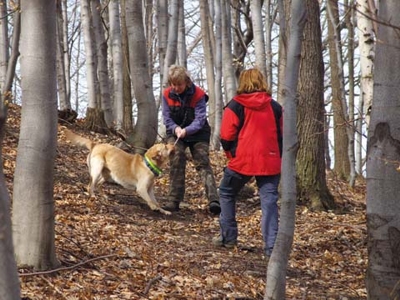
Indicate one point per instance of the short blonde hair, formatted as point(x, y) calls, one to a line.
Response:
point(252, 80)
point(178, 74)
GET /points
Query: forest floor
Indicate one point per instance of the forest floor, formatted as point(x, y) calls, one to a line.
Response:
point(115, 247)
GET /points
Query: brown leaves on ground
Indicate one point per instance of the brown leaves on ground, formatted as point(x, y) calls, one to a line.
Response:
point(115, 247)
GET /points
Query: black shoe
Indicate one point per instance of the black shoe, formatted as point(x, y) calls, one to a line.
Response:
point(214, 207)
point(171, 206)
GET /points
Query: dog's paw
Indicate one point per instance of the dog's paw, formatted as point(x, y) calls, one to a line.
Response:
point(165, 212)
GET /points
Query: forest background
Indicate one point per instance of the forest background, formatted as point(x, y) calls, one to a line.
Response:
point(110, 59)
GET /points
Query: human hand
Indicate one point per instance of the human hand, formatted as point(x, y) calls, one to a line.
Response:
point(180, 133)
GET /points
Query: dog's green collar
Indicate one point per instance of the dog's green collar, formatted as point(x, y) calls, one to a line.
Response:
point(152, 166)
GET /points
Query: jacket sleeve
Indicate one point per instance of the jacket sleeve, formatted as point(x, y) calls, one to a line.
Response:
point(168, 122)
point(229, 130)
point(200, 112)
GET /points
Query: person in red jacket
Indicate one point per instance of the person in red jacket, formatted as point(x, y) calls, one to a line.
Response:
point(184, 112)
point(251, 136)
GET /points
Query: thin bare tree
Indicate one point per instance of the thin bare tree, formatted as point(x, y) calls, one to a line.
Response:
point(94, 115)
point(258, 29)
point(64, 101)
point(171, 53)
point(227, 58)
point(9, 282)
point(117, 63)
point(4, 42)
point(102, 62)
point(276, 274)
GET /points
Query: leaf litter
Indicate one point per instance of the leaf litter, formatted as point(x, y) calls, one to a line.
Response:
point(115, 247)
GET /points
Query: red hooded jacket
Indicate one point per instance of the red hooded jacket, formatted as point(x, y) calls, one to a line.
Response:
point(251, 134)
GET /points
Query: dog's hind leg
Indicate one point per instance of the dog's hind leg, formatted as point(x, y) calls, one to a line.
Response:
point(96, 178)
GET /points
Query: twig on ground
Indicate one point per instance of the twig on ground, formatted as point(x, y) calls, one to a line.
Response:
point(67, 268)
point(150, 283)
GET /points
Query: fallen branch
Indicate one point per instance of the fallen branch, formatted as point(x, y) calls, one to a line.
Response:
point(150, 283)
point(66, 268)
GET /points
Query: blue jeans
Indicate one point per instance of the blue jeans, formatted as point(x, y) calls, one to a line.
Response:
point(231, 184)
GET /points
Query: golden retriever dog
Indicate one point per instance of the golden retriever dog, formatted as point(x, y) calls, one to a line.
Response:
point(109, 163)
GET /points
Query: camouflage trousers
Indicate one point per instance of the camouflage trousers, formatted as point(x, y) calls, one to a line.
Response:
point(200, 155)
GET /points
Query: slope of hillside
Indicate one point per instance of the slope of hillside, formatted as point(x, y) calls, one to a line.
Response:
point(114, 247)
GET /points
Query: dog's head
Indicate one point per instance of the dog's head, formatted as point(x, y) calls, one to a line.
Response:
point(159, 153)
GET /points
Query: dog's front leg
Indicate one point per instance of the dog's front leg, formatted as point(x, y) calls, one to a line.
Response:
point(147, 193)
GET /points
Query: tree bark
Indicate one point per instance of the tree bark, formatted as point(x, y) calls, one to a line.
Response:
point(102, 63)
point(227, 59)
point(276, 274)
point(259, 42)
point(172, 42)
point(127, 84)
point(117, 59)
point(33, 202)
point(94, 99)
point(9, 282)
point(341, 140)
point(4, 43)
point(383, 157)
point(146, 128)
point(310, 165)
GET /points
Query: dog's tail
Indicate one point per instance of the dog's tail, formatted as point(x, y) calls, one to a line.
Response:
point(79, 140)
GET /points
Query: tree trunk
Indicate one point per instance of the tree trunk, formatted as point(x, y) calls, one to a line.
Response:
point(4, 43)
point(269, 21)
point(146, 128)
point(9, 287)
point(284, 34)
point(383, 157)
point(12, 63)
point(276, 274)
point(172, 42)
point(214, 109)
point(60, 64)
point(181, 45)
point(127, 84)
point(332, 9)
point(162, 33)
point(311, 181)
point(242, 31)
point(227, 59)
point(102, 63)
point(67, 58)
point(219, 101)
point(33, 203)
point(259, 42)
point(366, 41)
point(341, 140)
point(117, 59)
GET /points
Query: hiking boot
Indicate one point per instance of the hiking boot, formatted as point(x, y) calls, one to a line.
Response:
point(171, 206)
point(214, 207)
point(218, 241)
